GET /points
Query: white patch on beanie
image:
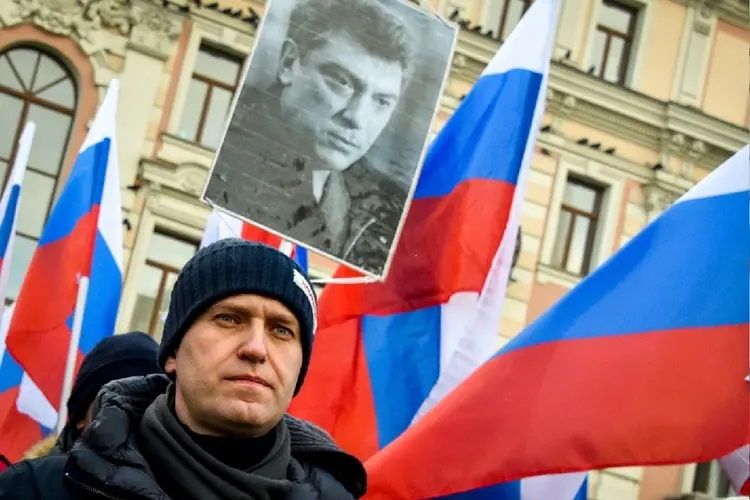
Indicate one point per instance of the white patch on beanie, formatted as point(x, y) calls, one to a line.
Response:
point(302, 283)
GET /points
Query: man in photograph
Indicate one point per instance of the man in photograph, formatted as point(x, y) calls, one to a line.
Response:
point(342, 69)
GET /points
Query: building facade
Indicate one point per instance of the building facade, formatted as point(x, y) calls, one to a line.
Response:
point(645, 98)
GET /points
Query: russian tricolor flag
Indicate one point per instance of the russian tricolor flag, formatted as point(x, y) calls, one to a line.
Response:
point(8, 208)
point(221, 225)
point(643, 363)
point(82, 237)
point(386, 352)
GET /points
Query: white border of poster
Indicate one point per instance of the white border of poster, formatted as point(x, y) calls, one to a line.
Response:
point(330, 125)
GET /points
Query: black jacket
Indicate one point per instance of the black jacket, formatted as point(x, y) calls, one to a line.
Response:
point(105, 462)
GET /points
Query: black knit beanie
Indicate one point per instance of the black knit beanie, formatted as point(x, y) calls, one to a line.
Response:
point(119, 356)
point(234, 266)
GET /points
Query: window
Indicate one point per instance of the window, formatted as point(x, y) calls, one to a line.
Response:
point(165, 257)
point(576, 228)
point(512, 12)
point(613, 41)
point(710, 479)
point(34, 86)
point(209, 96)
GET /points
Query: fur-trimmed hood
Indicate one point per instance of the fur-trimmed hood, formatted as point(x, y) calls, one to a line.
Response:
point(42, 448)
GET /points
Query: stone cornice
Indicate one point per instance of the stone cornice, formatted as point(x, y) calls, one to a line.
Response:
point(558, 144)
point(235, 15)
point(735, 12)
point(150, 26)
point(173, 192)
point(187, 178)
point(614, 109)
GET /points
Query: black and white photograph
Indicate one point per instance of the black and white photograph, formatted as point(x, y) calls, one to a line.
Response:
point(328, 132)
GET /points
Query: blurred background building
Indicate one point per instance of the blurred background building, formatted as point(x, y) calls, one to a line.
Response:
point(646, 97)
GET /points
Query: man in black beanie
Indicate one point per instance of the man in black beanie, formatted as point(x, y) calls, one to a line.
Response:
point(236, 345)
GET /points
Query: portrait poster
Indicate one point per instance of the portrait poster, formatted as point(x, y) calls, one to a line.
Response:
point(330, 125)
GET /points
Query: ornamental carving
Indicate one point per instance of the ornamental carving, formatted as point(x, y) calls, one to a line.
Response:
point(154, 27)
point(81, 17)
point(704, 12)
point(677, 142)
point(192, 178)
point(697, 150)
point(688, 148)
point(563, 103)
point(657, 200)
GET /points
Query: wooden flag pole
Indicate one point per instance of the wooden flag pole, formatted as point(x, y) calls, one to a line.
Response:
point(70, 366)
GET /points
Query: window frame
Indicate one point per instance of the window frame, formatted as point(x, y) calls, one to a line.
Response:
point(594, 220)
point(212, 83)
point(611, 33)
point(165, 270)
point(203, 32)
point(642, 33)
point(501, 34)
point(29, 99)
point(183, 219)
point(612, 181)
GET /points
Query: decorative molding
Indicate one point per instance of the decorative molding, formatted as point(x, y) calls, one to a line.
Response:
point(154, 28)
point(571, 150)
point(247, 22)
point(192, 178)
point(663, 190)
point(150, 24)
point(187, 178)
point(184, 216)
point(704, 13)
point(75, 17)
point(172, 192)
point(657, 200)
point(180, 152)
point(459, 61)
point(734, 12)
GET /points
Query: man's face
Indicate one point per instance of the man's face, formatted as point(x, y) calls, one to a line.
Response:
point(237, 367)
point(339, 95)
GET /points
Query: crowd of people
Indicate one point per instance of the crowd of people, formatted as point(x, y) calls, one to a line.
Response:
point(202, 414)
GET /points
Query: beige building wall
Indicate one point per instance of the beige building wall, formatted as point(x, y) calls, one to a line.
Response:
point(726, 94)
point(680, 110)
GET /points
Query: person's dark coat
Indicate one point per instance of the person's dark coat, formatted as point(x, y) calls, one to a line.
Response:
point(131, 448)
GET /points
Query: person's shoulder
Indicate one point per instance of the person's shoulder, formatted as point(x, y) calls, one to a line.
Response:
point(333, 472)
point(34, 479)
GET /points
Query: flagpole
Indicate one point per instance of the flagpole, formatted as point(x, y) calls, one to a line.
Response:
point(70, 366)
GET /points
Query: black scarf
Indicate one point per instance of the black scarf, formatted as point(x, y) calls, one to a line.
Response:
point(137, 448)
point(178, 461)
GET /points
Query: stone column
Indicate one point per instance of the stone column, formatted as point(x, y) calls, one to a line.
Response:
point(692, 65)
point(154, 32)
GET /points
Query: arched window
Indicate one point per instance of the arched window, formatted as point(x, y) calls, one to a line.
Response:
point(34, 86)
